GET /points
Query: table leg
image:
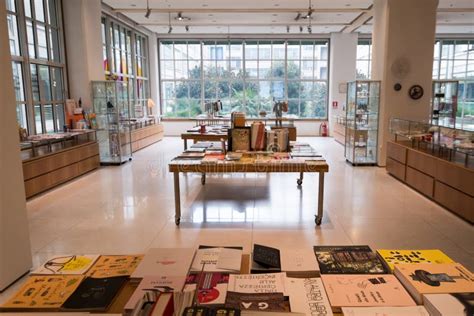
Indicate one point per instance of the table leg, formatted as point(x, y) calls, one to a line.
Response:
point(319, 216)
point(203, 178)
point(300, 180)
point(185, 144)
point(177, 202)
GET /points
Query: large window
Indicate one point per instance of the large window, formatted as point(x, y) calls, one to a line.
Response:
point(125, 58)
point(36, 47)
point(454, 59)
point(364, 58)
point(246, 76)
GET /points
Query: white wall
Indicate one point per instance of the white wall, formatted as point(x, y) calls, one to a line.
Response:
point(82, 30)
point(15, 249)
point(342, 69)
point(403, 29)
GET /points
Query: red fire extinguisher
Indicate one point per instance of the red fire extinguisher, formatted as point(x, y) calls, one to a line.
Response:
point(323, 129)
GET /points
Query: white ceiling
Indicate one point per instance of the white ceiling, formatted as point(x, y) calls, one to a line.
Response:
point(275, 16)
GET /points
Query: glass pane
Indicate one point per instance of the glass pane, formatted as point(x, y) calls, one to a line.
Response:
point(18, 81)
point(447, 50)
point(236, 51)
point(13, 35)
point(34, 82)
point(306, 89)
point(321, 51)
point(166, 50)
point(38, 123)
point(27, 5)
point(306, 50)
point(278, 50)
point(362, 70)
point(60, 120)
point(54, 45)
point(42, 46)
point(278, 90)
point(167, 69)
point(264, 50)
point(307, 69)
point(195, 89)
point(293, 69)
point(208, 49)
point(181, 69)
point(363, 51)
point(293, 107)
point(321, 69)
point(45, 85)
point(168, 90)
point(264, 69)
point(293, 89)
point(210, 90)
point(459, 69)
point(194, 51)
point(461, 50)
point(48, 118)
point(21, 115)
point(39, 10)
point(293, 50)
point(251, 50)
point(56, 84)
point(51, 9)
point(251, 68)
point(11, 5)
point(223, 89)
point(182, 90)
point(31, 39)
point(436, 50)
point(194, 69)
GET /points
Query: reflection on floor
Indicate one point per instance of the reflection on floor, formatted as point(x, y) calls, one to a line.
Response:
point(130, 208)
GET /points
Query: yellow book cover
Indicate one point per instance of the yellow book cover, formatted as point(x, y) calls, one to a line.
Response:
point(44, 292)
point(110, 266)
point(72, 264)
point(393, 257)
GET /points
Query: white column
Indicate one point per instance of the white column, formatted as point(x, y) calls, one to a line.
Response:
point(154, 81)
point(15, 249)
point(82, 30)
point(403, 41)
point(342, 69)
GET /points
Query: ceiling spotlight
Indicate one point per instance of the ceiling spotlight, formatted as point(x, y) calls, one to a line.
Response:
point(180, 17)
point(309, 29)
point(148, 10)
point(301, 29)
point(287, 29)
point(170, 29)
point(186, 28)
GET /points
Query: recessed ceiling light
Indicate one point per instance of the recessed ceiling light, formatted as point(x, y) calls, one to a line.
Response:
point(210, 14)
point(214, 21)
point(348, 4)
point(273, 21)
point(275, 14)
point(276, 5)
point(205, 5)
point(133, 5)
point(339, 14)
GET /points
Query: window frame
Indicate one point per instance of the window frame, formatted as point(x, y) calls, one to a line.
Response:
point(365, 42)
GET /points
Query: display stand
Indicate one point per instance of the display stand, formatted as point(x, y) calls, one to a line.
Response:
point(444, 102)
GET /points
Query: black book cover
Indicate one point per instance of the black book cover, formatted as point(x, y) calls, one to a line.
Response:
point(266, 256)
point(348, 260)
point(95, 294)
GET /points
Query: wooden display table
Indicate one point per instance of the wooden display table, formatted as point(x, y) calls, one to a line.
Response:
point(277, 166)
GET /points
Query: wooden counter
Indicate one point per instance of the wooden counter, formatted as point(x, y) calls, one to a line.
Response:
point(145, 136)
point(449, 184)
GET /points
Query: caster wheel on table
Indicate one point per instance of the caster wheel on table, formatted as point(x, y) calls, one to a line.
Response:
point(299, 182)
point(203, 180)
point(177, 221)
point(318, 221)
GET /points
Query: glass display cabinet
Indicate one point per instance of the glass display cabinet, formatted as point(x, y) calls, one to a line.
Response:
point(444, 102)
point(111, 100)
point(362, 120)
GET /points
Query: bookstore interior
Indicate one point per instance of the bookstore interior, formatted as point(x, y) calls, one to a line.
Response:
point(206, 157)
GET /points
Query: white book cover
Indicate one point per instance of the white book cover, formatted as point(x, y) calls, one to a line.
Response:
point(217, 260)
point(298, 260)
point(308, 296)
point(449, 304)
point(67, 264)
point(164, 262)
point(258, 283)
point(385, 311)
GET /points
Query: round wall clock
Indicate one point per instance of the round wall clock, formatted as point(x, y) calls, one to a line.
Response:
point(415, 92)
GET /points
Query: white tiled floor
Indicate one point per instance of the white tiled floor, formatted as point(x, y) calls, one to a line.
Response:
point(130, 208)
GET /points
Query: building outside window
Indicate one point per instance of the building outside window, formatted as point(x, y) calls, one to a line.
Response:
point(454, 60)
point(245, 75)
point(125, 58)
point(38, 63)
point(364, 59)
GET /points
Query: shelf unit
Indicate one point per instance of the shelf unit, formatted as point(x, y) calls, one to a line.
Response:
point(362, 120)
point(111, 100)
point(444, 102)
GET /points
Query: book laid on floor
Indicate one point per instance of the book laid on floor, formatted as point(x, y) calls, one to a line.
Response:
point(159, 284)
point(43, 292)
point(164, 261)
point(217, 259)
point(111, 266)
point(393, 257)
point(297, 263)
point(356, 290)
point(420, 278)
point(69, 264)
point(257, 283)
point(449, 304)
point(257, 302)
point(385, 311)
point(308, 296)
point(348, 260)
point(94, 294)
point(211, 287)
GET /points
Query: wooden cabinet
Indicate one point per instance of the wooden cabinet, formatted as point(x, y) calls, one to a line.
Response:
point(449, 184)
point(145, 136)
point(45, 172)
